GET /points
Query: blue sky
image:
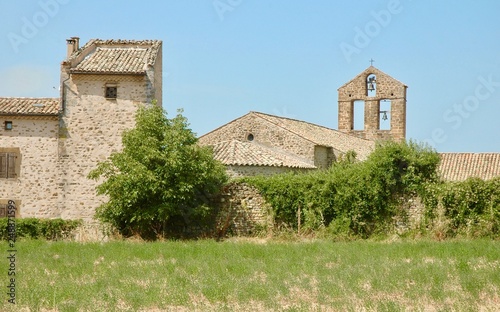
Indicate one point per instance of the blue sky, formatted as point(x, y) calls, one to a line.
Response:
point(224, 58)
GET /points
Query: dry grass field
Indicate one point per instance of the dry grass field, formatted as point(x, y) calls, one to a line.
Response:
point(255, 275)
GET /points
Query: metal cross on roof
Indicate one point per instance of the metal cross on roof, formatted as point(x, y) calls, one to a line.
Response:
point(371, 62)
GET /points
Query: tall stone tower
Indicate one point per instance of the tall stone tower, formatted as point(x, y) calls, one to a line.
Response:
point(103, 84)
point(373, 106)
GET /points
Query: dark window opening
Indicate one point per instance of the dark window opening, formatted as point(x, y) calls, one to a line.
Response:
point(8, 125)
point(250, 137)
point(111, 92)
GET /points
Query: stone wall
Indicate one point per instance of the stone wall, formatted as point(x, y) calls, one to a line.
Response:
point(35, 188)
point(386, 88)
point(242, 210)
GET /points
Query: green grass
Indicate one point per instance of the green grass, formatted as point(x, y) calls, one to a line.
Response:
point(256, 276)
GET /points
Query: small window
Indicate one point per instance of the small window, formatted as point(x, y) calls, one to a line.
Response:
point(8, 125)
point(111, 92)
point(8, 165)
point(250, 137)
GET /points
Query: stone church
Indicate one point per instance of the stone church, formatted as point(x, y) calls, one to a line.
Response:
point(49, 145)
point(371, 107)
point(259, 143)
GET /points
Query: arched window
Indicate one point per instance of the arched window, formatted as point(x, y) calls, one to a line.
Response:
point(371, 85)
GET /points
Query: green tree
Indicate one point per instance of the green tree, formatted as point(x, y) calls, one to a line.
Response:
point(161, 181)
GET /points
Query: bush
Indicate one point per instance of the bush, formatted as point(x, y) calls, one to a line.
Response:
point(359, 198)
point(50, 229)
point(471, 207)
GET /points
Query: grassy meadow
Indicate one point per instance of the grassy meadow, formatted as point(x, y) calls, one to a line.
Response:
point(255, 275)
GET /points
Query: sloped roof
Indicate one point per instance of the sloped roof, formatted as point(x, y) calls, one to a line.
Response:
point(29, 106)
point(237, 153)
point(320, 135)
point(460, 166)
point(115, 56)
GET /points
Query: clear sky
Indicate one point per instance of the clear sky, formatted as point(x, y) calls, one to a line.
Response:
point(224, 58)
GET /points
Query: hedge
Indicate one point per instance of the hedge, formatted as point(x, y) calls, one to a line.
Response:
point(50, 229)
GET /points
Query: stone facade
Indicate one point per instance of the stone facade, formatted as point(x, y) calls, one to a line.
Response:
point(34, 140)
point(261, 131)
point(385, 88)
point(315, 145)
point(90, 130)
point(103, 83)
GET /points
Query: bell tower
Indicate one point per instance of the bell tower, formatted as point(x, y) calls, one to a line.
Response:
point(372, 106)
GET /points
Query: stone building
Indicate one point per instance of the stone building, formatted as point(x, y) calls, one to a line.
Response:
point(48, 146)
point(258, 143)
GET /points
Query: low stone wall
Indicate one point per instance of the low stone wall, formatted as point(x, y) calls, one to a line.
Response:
point(242, 210)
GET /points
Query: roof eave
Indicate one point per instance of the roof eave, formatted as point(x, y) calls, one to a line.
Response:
point(84, 72)
point(28, 114)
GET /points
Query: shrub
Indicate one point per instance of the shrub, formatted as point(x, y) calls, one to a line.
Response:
point(472, 207)
point(51, 229)
point(357, 197)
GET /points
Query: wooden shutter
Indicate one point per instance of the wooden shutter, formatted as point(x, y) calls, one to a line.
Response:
point(3, 165)
point(11, 165)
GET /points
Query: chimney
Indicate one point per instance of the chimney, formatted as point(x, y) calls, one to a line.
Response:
point(73, 45)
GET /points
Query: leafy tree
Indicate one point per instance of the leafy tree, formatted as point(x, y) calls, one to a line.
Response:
point(161, 181)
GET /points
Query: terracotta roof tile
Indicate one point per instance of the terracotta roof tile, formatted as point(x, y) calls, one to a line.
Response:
point(29, 106)
point(460, 166)
point(239, 153)
point(322, 135)
point(116, 56)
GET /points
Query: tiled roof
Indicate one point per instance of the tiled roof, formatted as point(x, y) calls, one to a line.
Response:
point(29, 106)
point(116, 56)
point(323, 136)
point(238, 153)
point(460, 166)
